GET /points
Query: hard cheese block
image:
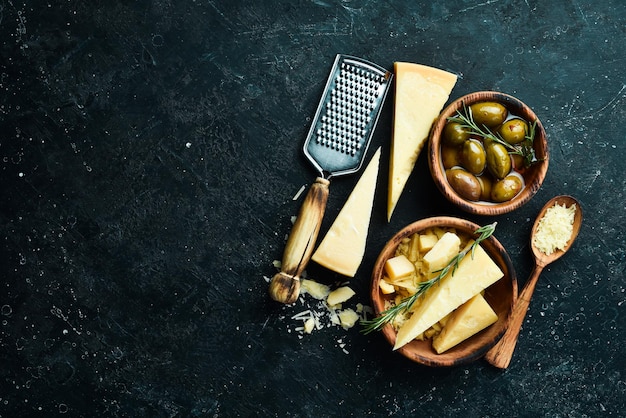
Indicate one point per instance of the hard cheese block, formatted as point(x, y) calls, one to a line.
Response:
point(470, 318)
point(399, 267)
point(343, 246)
point(420, 94)
point(442, 252)
point(472, 275)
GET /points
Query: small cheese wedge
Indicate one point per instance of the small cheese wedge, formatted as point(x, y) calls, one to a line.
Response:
point(469, 319)
point(420, 94)
point(399, 267)
point(472, 275)
point(442, 252)
point(343, 246)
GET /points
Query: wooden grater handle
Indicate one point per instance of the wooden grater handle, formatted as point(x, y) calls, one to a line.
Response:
point(285, 286)
point(500, 354)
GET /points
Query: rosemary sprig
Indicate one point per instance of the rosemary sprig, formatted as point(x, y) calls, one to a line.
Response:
point(524, 149)
point(405, 305)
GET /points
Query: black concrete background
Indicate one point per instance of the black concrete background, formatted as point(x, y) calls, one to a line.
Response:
point(150, 151)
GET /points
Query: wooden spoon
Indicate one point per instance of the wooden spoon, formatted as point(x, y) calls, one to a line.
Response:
point(500, 354)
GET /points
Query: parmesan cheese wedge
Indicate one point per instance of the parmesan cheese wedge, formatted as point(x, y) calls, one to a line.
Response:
point(343, 246)
point(472, 275)
point(470, 318)
point(420, 94)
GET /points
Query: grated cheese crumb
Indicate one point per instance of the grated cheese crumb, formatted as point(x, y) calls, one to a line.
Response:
point(555, 229)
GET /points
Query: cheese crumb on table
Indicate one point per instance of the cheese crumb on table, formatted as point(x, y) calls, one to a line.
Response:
point(555, 229)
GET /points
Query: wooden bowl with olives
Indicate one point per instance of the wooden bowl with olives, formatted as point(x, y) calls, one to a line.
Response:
point(426, 299)
point(488, 153)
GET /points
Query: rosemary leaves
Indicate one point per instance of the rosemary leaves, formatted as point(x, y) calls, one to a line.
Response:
point(405, 305)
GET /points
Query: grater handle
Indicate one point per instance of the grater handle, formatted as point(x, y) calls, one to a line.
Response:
point(285, 286)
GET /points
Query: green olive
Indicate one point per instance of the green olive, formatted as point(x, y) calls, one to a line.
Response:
point(455, 134)
point(473, 157)
point(450, 156)
point(514, 130)
point(485, 187)
point(464, 183)
point(506, 189)
point(518, 162)
point(490, 114)
point(498, 160)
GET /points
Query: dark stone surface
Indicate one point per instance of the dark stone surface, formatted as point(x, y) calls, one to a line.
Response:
point(150, 151)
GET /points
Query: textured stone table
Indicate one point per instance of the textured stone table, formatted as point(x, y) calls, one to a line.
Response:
point(150, 152)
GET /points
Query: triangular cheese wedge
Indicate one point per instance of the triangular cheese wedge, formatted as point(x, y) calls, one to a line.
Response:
point(472, 275)
point(420, 94)
point(470, 318)
point(343, 247)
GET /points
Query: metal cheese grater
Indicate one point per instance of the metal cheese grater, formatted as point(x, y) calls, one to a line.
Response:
point(346, 116)
point(336, 145)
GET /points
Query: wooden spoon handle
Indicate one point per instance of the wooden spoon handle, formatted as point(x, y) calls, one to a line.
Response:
point(285, 286)
point(500, 354)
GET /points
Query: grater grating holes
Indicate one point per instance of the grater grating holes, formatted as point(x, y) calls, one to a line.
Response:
point(348, 112)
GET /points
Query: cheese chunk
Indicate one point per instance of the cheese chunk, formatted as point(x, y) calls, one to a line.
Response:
point(420, 94)
point(386, 287)
point(317, 290)
point(399, 267)
point(339, 295)
point(347, 318)
point(426, 242)
point(442, 252)
point(343, 246)
point(470, 318)
point(472, 275)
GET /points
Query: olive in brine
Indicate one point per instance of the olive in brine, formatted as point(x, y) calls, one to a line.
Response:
point(506, 189)
point(498, 160)
point(485, 187)
point(464, 183)
point(518, 162)
point(455, 134)
point(514, 130)
point(473, 156)
point(450, 156)
point(490, 114)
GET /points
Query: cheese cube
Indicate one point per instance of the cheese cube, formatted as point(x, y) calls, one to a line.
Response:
point(470, 318)
point(399, 267)
point(427, 241)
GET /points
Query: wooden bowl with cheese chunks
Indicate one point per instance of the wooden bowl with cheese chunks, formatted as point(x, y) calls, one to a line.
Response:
point(488, 153)
point(464, 311)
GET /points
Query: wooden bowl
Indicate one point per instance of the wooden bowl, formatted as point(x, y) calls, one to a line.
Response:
point(533, 176)
point(501, 296)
